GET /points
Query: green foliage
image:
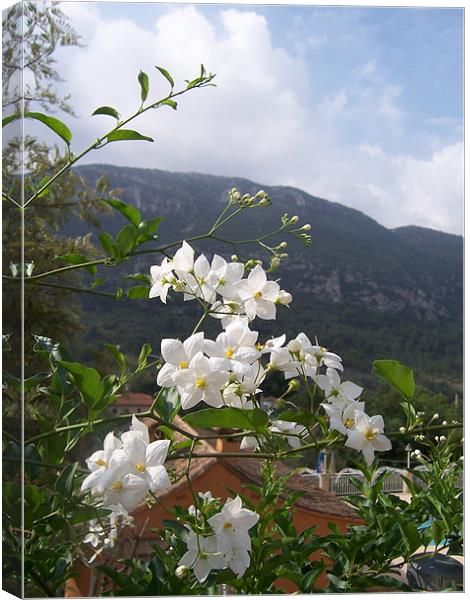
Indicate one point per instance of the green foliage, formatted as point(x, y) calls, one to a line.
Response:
point(397, 375)
point(233, 418)
point(53, 123)
point(107, 110)
point(121, 135)
point(144, 85)
point(167, 76)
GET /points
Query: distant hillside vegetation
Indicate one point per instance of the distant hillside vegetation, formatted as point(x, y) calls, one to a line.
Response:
point(366, 291)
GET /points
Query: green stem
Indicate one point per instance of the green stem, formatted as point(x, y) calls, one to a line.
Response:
point(102, 139)
point(39, 463)
point(65, 428)
point(74, 289)
point(424, 430)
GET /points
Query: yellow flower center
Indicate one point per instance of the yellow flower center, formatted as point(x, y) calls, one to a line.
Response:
point(117, 486)
point(228, 525)
point(200, 383)
point(101, 463)
point(259, 346)
point(371, 434)
point(183, 364)
point(140, 467)
point(323, 349)
point(258, 295)
point(348, 423)
point(229, 352)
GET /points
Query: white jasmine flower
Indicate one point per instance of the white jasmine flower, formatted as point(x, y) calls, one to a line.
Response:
point(295, 359)
point(183, 260)
point(162, 280)
point(177, 355)
point(326, 358)
point(259, 295)
point(223, 276)
point(98, 462)
point(343, 417)
point(249, 442)
point(288, 427)
point(232, 524)
point(202, 555)
point(235, 348)
point(137, 428)
point(201, 381)
point(367, 437)
point(197, 280)
point(122, 487)
point(144, 460)
point(335, 391)
point(237, 559)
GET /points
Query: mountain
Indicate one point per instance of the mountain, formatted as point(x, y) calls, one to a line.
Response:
point(366, 291)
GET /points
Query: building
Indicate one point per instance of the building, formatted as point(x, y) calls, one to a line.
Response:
point(132, 402)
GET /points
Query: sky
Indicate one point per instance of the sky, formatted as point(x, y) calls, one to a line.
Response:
point(362, 106)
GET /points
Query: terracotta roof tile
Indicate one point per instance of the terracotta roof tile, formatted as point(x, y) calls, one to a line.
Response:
point(314, 498)
point(134, 399)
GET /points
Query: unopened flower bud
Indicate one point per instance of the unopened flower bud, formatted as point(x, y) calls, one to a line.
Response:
point(181, 571)
point(294, 346)
point(284, 298)
point(234, 258)
point(461, 459)
point(247, 387)
point(282, 245)
point(294, 219)
point(444, 422)
point(435, 416)
point(293, 386)
point(442, 438)
point(306, 227)
point(402, 429)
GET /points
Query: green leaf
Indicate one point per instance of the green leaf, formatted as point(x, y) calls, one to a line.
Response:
point(166, 75)
point(140, 291)
point(168, 403)
point(397, 375)
point(231, 418)
point(107, 243)
point(125, 239)
point(144, 85)
point(55, 124)
point(150, 226)
point(118, 355)
point(87, 380)
point(169, 102)
point(11, 118)
point(65, 482)
point(145, 351)
point(77, 259)
point(130, 212)
point(107, 110)
point(410, 535)
point(121, 135)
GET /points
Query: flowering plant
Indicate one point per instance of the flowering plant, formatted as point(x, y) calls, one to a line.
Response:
point(74, 514)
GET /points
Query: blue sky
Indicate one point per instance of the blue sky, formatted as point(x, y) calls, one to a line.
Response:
point(360, 105)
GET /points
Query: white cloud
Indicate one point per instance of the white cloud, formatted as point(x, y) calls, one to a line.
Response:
point(259, 122)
